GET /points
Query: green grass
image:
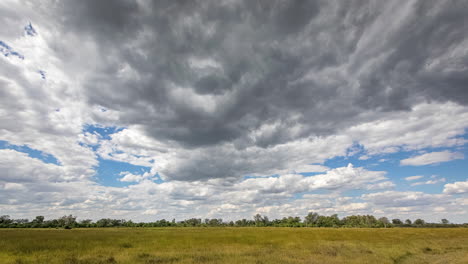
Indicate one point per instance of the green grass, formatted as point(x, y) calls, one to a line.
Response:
point(234, 245)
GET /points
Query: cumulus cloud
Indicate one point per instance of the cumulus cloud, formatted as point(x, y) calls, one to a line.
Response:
point(339, 178)
point(175, 198)
point(181, 80)
point(229, 102)
point(410, 130)
point(404, 199)
point(130, 177)
point(18, 167)
point(456, 187)
point(432, 158)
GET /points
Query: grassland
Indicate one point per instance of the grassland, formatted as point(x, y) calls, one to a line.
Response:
point(234, 245)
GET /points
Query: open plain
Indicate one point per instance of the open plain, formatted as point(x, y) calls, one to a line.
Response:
point(234, 245)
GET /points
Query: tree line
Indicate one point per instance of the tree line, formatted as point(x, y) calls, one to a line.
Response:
point(311, 220)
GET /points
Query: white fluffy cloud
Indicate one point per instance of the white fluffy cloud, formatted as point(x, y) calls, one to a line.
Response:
point(242, 197)
point(405, 199)
point(456, 187)
point(411, 130)
point(130, 177)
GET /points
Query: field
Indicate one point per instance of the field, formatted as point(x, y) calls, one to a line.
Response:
point(234, 245)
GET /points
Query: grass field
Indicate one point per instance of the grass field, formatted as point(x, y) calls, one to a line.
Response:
point(234, 245)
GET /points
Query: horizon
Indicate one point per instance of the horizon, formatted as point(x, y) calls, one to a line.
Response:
point(226, 109)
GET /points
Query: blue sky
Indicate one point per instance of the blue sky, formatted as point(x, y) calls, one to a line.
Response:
point(147, 115)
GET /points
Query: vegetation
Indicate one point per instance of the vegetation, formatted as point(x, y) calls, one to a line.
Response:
point(311, 220)
point(234, 245)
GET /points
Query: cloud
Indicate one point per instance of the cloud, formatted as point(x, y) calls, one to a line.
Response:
point(435, 181)
point(17, 167)
point(132, 145)
point(410, 130)
point(130, 177)
point(335, 179)
point(456, 187)
point(432, 158)
point(280, 82)
point(227, 101)
point(404, 199)
point(413, 178)
point(203, 91)
point(179, 198)
point(381, 185)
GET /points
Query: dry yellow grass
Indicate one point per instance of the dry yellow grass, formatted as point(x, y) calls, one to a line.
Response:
point(234, 245)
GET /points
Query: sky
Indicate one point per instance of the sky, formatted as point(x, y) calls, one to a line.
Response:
point(147, 110)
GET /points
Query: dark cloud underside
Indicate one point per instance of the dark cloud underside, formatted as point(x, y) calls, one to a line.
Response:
point(324, 62)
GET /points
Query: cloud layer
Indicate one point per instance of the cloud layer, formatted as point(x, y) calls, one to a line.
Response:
point(238, 103)
point(432, 158)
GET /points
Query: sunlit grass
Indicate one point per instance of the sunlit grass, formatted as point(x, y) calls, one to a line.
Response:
point(234, 245)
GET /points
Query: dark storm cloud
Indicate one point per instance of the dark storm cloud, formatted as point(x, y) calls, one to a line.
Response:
point(238, 65)
point(107, 19)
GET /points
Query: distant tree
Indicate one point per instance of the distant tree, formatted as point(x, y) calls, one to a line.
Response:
point(328, 221)
point(86, 223)
point(311, 219)
point(258, 219)
point(67, 221)
point(362, 221)
point(384, 221)
point(116, 222)
point(290, 221)
point(419, 222)
point(104, 222)
point(334, 220)
point(215, 222)
point(5, 220)
point(193, 222)
point(39, 219)
point(22, 222)
point(242, 222)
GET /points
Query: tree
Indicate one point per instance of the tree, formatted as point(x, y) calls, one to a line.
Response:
point(104, 222)
point(5, 220)
point(408, 222)
point(261, 220)
point(384, 221)
point(37, 222)
point(444, 221)
point(86, 222)
point(216, 222)
point(363, 221)
point(39, 219)
point(397, 221)
point(328, 221)
point(258, 219)
point(311, 219)
point(193, 222)
point(419, 222)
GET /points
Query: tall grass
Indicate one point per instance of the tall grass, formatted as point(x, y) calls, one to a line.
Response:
point(234, 245)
